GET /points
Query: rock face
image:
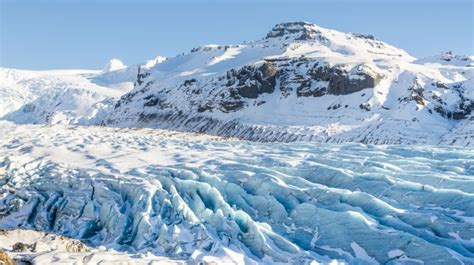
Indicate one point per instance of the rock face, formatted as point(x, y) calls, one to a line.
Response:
point(251, 81)
point(359, 78)
point(302, 30)
point(337, 80)
point(22, 247)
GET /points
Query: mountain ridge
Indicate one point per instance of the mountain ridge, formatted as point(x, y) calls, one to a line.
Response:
point(300, 82)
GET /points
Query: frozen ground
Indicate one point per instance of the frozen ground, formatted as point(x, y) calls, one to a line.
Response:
point(191, 197)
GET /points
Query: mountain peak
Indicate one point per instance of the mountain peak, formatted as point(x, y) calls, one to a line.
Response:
point(155, 61)
point(113, 65)
point(299, 30)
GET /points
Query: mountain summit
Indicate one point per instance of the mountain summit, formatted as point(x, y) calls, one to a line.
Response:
point(298, 30)
point(113, 65)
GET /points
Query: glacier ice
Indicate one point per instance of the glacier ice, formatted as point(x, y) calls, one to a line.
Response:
point(179, 195)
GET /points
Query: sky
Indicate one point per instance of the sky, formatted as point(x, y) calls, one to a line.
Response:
point(53, 34)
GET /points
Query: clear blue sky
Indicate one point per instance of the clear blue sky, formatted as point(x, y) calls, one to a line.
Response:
point(39, 34)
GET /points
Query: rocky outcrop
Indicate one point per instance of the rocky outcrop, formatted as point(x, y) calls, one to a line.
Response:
point(341, 81)
point(22, 247)
point(322, 79)
point(302, 30)
point(416, 93)
point(251, 81)
point(358, 78)
point(461, 112)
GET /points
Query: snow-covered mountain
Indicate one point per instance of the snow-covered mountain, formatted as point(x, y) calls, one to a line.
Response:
point(304, 82)
point(61, 96)
point(300, 82)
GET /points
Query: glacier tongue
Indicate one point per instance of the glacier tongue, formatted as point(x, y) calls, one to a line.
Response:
point(185, 195)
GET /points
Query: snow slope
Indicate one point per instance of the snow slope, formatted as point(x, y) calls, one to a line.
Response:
point(202, 198)
point(59, 96)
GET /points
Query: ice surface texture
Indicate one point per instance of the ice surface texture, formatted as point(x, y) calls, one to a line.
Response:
point(182, 195)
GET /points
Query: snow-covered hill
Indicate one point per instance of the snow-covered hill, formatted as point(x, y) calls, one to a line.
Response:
point(300, 82)
point(59, 96)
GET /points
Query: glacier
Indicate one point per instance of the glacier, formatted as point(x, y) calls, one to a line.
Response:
point(187, 196)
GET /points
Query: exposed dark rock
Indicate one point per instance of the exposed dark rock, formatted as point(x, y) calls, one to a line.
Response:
point(363, 36)
point(151, 101)
point(204, 108)
point(76, 246)
point(440, 84)
point(302, 30)
point(416, 94)
point(305, 90)
point(147, 117)
point(141, 75)
point(252, 81)
point(340, 81)
point(365, 106)
point(22, 247)
point(249, 90)
point(189, 82)
point(229, 106)
point(127, 98)
point(464, 110)
point(344, 83)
